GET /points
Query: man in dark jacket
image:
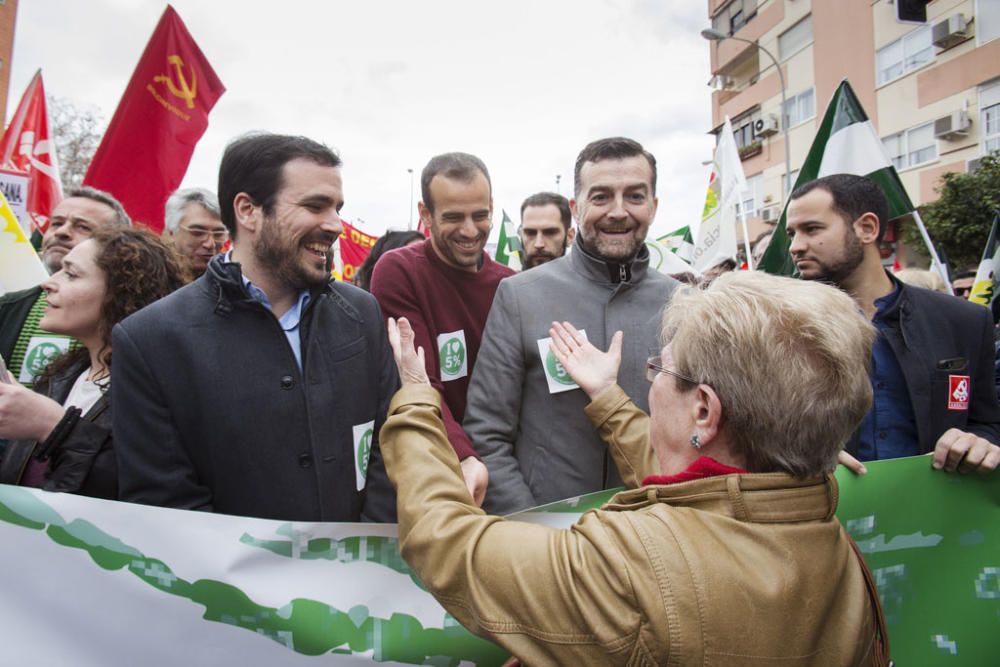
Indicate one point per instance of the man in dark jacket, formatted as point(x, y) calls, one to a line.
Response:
point(260, 388)
point(932, 363)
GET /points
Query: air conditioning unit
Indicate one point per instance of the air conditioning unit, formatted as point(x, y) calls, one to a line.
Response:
point(765, 127)
point(955, 124)
point(770, 214)
point(950, 32)
point(973, 164)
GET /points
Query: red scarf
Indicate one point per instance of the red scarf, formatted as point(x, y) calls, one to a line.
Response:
point(703, 466)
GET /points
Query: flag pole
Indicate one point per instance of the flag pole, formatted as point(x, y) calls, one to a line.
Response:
point(930, 247)
point(746, 239)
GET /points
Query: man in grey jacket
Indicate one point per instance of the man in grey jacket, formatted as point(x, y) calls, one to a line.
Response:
point(525, 415)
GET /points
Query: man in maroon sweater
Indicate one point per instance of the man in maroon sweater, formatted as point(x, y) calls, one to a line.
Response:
point(445, 288)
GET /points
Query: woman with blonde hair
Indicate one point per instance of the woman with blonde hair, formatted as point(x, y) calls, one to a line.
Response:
point(726, 551)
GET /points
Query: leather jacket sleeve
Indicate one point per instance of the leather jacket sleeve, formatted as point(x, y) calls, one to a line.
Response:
point(548, 596)
point(625, 429)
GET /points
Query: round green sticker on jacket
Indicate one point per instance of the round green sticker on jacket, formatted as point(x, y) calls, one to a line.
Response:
point(452, 356)
point(364, 451)
point(556, 370)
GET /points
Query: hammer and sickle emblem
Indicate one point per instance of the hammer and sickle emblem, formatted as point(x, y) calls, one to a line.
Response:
point(185, 92)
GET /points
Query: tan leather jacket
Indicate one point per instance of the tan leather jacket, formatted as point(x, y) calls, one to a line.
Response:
point(734, 570)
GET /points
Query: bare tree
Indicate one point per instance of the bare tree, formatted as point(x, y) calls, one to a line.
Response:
point(77, 133)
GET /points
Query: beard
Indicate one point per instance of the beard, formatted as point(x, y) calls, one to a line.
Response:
point(281, 255)
point(837, 271)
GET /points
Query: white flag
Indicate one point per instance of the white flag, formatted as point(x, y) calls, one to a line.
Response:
point(717, 232)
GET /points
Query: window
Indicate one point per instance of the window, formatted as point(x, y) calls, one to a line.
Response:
point(906, 54)
point(750, 200)
point(734, 16)
point(991, 128)
point(987, 21)
point(795, 38)
point(784, 185)
point(989, 102)
point(800, 108)
point(913, 147)
point(743, 129)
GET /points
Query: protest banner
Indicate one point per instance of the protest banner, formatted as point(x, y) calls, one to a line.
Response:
point(90, 581)
point(14, 186)
point(355, 247)
point(162, 115)
point(28, 146)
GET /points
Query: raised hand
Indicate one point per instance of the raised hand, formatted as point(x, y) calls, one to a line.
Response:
point(593, 370)
point(410, 362)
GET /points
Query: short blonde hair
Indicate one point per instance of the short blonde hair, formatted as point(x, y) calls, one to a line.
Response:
point(923, 278)
point(788, 359)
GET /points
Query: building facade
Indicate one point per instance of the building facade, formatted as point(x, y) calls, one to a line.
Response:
point(8, 17)
point(931, 88)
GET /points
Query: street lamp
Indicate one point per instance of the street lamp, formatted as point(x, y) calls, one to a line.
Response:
point(410, 226)
point(716, 36)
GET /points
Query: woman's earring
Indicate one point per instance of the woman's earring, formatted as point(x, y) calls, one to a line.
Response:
point(696, 441)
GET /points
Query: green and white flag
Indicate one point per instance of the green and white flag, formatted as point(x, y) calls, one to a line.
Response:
point(509, 249)
point(984, 290)
point(846, 143)
point(679, 242)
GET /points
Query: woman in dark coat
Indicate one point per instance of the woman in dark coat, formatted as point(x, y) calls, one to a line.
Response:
point(61, 431)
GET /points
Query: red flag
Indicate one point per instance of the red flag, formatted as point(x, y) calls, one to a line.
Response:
point(355, 246)
point(28, 146)
point(161, 116)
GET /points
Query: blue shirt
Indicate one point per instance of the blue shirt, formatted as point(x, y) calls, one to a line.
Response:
point(889, 430)
point(289, 321)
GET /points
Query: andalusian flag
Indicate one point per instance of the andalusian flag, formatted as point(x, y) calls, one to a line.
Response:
point(985, 288)
point(509, 246)
point(846, 143)
point(20, 267)
point(679, 242)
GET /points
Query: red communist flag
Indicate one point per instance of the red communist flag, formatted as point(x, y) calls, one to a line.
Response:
point(160, 118)
point(355, 246)
point(27, 146)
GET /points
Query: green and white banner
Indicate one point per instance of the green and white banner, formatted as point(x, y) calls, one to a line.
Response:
point(92, 582)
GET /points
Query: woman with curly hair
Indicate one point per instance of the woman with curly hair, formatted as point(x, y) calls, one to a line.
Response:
point(61, 431)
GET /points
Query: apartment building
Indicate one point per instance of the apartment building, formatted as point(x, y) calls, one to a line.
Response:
point(931, 88)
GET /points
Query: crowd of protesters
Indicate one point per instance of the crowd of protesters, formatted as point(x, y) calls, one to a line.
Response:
point(458, 390)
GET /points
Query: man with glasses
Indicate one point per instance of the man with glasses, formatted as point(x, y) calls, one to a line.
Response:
point(525, 414)
point(26, 349)
point(193, 224)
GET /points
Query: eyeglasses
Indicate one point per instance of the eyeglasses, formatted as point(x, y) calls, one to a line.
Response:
point(220, 236)
point(654, 365)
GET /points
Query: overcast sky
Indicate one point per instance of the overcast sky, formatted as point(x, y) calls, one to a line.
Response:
point(388, 83)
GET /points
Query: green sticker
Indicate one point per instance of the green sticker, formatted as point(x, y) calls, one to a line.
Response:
point(556, 370)
point(364, 451)
point(41, 356)
point(452, 356)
